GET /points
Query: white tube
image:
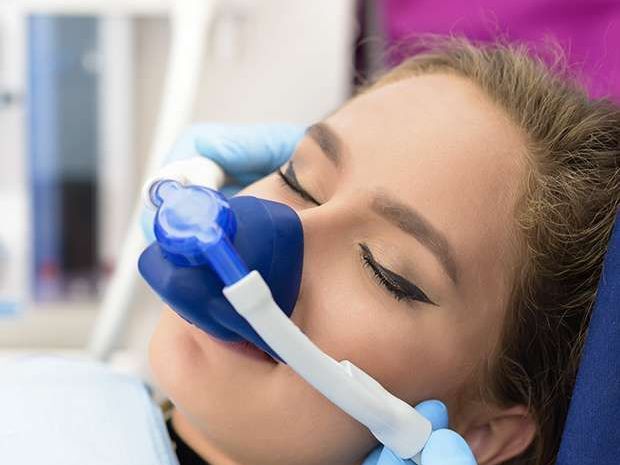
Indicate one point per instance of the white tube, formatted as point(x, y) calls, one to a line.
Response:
point(392, 421)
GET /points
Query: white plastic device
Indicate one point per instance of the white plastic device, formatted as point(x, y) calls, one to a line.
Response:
point(391, 420)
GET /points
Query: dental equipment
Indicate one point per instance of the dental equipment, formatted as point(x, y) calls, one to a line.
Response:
point(233, 269)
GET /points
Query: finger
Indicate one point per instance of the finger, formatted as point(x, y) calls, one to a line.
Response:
point(257, 149)
point(185, 145)
point(282, 141)
point(388, 457)
point(446, 447)
point(146, 221)
point(373, 457)
point(434, 411)
point(235, 154)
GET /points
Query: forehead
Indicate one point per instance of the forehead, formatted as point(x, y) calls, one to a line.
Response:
point(436, 117)
point(438, 143)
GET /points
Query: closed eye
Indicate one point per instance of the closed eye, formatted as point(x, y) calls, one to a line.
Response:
point(399, 287)
point(289, 178)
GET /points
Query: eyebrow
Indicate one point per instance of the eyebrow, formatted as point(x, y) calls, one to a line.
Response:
point(327, 140)
point(413, 223)
point(394, 211)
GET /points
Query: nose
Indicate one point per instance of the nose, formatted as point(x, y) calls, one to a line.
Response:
point(326, 228)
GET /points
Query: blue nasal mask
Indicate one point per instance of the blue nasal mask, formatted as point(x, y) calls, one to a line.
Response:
point(205, 242)
point(233, 269)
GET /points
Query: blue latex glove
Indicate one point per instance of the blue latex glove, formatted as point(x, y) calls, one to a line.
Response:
point(246, 152)
point(444, 447)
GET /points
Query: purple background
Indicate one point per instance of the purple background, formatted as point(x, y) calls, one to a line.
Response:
point(588, 30)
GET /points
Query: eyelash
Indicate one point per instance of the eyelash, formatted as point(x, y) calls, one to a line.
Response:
point(394, 288)
point(381, 275)
point(293, 185)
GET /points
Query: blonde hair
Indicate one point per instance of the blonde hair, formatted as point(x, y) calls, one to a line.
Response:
point(567, 207)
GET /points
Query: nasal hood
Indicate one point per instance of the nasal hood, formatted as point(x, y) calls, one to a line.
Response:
point(268, 238)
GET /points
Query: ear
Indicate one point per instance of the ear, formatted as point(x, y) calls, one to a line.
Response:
point(496, 435)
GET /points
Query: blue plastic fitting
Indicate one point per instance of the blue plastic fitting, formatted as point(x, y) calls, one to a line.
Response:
point(206, 242)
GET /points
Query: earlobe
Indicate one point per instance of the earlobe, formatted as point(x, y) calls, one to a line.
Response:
point(502, 435)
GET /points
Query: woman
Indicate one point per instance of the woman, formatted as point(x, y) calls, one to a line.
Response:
point(455, 216)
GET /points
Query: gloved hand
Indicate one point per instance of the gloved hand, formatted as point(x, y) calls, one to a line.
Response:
point(444, 447)
point(246, 152)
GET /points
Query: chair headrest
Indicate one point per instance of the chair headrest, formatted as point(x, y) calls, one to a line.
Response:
point(591, 435)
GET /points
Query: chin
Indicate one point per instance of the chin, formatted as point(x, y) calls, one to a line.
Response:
point(198, 375)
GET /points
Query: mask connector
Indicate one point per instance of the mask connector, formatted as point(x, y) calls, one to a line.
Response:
point(195, 226)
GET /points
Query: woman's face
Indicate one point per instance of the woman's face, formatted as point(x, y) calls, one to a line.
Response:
point(408, 194)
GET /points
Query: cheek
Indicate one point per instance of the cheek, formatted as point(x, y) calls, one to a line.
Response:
point(172, 356)
point(186, 372)
point(417, 353)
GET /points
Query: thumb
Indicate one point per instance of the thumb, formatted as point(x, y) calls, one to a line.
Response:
point(250, 151)
point(434, 411)
point(388, 457)
point(446, 447)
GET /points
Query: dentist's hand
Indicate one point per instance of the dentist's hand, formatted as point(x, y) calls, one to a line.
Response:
point(444, 447)
point(245, 152)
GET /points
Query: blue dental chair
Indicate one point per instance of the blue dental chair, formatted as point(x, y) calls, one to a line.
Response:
point(591, 434)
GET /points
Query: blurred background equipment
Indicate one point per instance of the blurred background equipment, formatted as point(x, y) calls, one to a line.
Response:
point(93, 94)
point(63, 152)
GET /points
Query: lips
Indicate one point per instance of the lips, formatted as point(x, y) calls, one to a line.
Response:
point(248, 349)
point(245, 348)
